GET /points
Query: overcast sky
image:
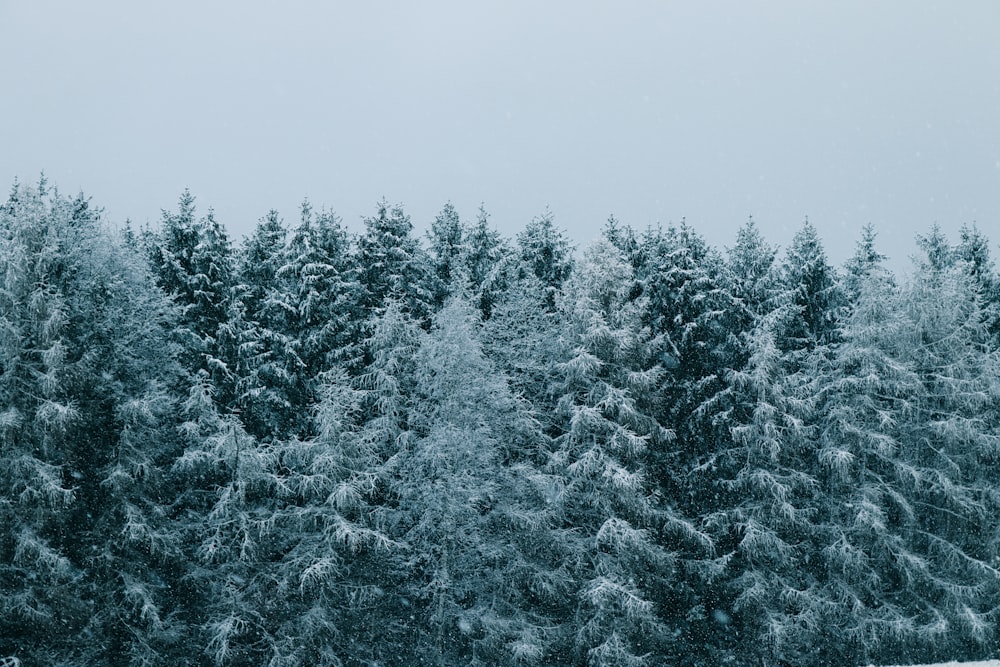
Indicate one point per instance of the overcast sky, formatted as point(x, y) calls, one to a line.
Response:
point(846, 112)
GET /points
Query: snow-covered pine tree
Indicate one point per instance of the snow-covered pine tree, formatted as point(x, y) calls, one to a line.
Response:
point(759, 499)
point(683, 309)
point(391, 263)
point(446, 235)
point(861, 264)
point(192, 259)
point(546, 252)
point(334, 570)
point(228, 498)
point(751, 279)
point(86, 368)
point(317, 297)
point(485, 255)
point(475, 529)
point(813, 290)
point(908, 457)
point(622, 542)
point(973, 251)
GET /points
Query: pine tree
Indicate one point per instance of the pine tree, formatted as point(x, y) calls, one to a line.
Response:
point(683, 310)
point(813, 290)
point(446, 235)
point(474, 527)
point(193, 261)
point(392, 264)
point(938, 254)
point(229, 487)
point(752, 287)
point(547, 253)
point(759, 503)
point(624, 573)
point(906, 454)
point(865, 261)
point(974, 253)
point(485, 257)
point(258, 266)
point(85, 370)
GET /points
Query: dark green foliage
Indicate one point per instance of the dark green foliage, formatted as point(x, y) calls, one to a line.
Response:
point(86, 375)
point(485, 257)
point(812, 291)
point(329, 450)
point(546, 252)
point(193, 263)
point(447, 235)
point(391, 263)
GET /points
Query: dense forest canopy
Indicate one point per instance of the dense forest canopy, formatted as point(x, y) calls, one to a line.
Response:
point(314, 447)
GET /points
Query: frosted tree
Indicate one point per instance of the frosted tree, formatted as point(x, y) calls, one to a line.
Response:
point(546, 252)
point(938, 254)
point(229, 485)
point(682, 312)
point(193, 262)
point(446, 236)
point(862, 264)
point(258, 326)
point(485, 257)
point(751, 286)
point(85, 370)
point(259, 261)
point(906, 454)
point(392, 264)
point(474, 527)
point(973, 251)
point(608, 521)
point(759, 499)
point(334, 576)
point(621, 237)
point(315, 309)
point(813, 291)
point(751, 278)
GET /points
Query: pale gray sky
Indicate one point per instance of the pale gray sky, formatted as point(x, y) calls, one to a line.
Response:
point(847, 112)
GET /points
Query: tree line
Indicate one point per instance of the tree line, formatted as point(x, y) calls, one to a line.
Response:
point(321, 448)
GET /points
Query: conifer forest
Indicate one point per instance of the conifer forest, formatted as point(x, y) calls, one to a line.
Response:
point(313, 447)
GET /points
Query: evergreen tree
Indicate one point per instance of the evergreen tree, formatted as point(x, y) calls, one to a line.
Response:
point(258, 266)
point(624, 574)
point(752, 288)
point(813, 290)
point(485, 256)
point(446, 235)
point(475, 529)
point(759, 503)
point(906, 453)
point(683, 310)
point(938, 254)
point(392, 264)
point(974, 254)
point(547, 253)
point(85, 371)
point(193, 262)
point(865, 262)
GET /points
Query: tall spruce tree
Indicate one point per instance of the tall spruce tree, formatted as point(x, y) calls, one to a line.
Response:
point(474, 528)
point(485, 256)
point(392, 264)
point(546, 252)
point(624, 544)
point(813, 290)
point(905, 452)
point(86, 368)
point(193, 262)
